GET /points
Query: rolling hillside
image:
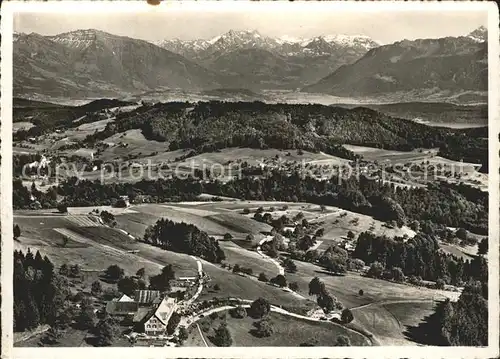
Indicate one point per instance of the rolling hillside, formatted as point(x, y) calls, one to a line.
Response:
point(89, 63)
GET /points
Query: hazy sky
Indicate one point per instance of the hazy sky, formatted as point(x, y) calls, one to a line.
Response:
point(384, 27)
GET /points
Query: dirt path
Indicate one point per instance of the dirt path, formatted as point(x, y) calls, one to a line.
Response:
point(201, 334)
point(200, 285)
point(281, 270)
point(384, 302)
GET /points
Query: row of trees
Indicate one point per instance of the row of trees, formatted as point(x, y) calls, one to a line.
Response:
point(449, 205)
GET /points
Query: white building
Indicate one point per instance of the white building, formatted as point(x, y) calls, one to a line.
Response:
point(156, 322)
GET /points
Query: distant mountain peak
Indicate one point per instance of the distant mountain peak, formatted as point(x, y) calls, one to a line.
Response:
point(238, 36)
point(479, 35)
point(338, 40)
point(77, 38)
point(285, 45)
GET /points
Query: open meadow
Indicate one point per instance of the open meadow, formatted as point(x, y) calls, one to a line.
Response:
point(287, 332)
point(375, 309)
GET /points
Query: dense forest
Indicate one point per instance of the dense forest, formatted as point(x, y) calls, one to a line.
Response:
point(207, 126)
point(38, 292)
point(184, 238)
point(419, 257)
point(446, 204)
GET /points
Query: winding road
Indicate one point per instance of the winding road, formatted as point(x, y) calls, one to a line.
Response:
point(200, 282)
point(281, 270)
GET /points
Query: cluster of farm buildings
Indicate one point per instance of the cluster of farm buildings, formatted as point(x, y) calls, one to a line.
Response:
point(148, 311)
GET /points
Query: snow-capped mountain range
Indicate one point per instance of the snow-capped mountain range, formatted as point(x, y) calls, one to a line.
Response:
point(93, 62)
point(285, 45)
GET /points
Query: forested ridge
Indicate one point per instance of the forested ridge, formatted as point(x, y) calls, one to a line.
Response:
point(445, 204)
point(47, 117)
point(420, 257)
point(208, 126)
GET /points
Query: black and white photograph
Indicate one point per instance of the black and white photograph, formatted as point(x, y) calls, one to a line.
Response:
point(200, 176)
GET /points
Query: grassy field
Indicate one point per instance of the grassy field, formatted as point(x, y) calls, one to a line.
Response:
point(457, 251)
point(79, 133)
point(180, 214)
point(288, 331)
point(346, 287)
point(96, 247)
point(384, 309)
point(469, 176)
point(337, 222)
point(340, 222)
point(381, 155)
point(246, 258)
point(93, 248)
point(131, 142)
point(214, 220)
point(23, 125)
point(230, 157)
point(226, 163)
point(235, 285)
point(194, 339)
point(40, 228)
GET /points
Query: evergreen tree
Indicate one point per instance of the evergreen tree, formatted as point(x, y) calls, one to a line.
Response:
point(183, 334)
point(17, 231)
point(279, 280)
point(483, 246)
point(316, 286)
point(64, 270)
point(114, 273)
point(141, 273)
point(347, 316)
